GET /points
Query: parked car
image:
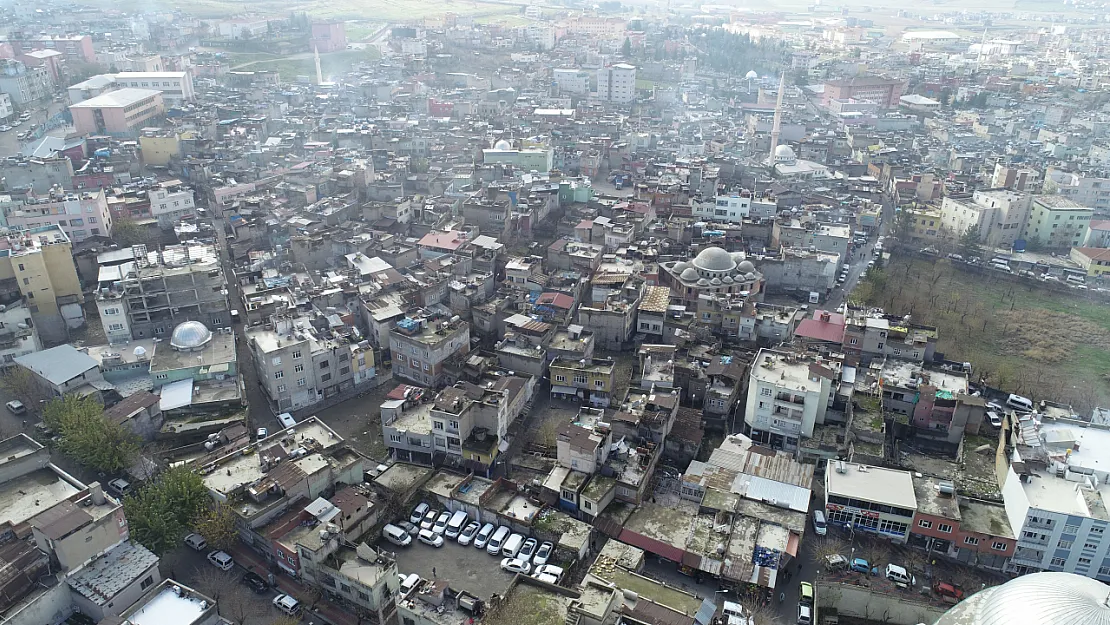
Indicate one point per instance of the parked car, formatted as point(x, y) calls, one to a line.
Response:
point(255, 582)
point(196, 542)
point(119, 486)
point(16, 407)
point(440, 525)
point(429, 520)
point(408, 527)
point(805, 615)
point(418, 513)
point(262, 433)
point(515, 565)
point(221, 560)
point(996, 421)
point(550, 569)
point(528, 549)
point(860, 565)
point(944, 589)
point(806, 593)
point(836, 562)
point(482, 537)
point(546, 578)
point(428, 537)
point(542, 554)
point(396, 535)
point(287, 604)
point(900, 576)
point(467, 535)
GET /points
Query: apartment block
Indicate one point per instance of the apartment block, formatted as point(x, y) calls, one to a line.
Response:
point(298, 364)
point(157, 291)
point(788, 394)
point(870, 499)
point(80, 214)
point(37, 265)
point(171, 202)
point(18, 333)
point(422, 343)
point(176, 87)
point(586, 381)
point(999, 216)
point(1057, 222)
point(617, 83)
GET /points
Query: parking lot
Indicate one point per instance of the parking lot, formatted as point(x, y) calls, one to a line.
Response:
point(465, 568)
point(233, 598)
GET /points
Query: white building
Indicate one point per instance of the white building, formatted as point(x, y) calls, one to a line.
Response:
point(171, 202)
point(733, 208)
point(788, 395)
point(90, 88)
point(617, 83)
point(572, 81)
point(6, 108)
point(80, 214)
point(871, 499)
point(18, 336)
point(175, 86)
point(999, 215)
point(1057, 498)
point(1085, 190)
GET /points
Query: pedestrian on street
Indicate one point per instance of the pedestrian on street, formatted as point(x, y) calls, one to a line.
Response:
point(433, 571)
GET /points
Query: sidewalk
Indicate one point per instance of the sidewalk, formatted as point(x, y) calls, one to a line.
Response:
point(325, 610)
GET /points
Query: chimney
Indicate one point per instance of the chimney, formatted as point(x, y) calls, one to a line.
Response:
point(97, 493)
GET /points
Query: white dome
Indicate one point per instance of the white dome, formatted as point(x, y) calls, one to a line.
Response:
point(751, 74)
point(703, 282)
point(715, 282)
point(745, 267)
point(140, 351)
point(1035, 599)
point(727, 280)
point(689, 275)
point(714, 259)
point(502, 145)
point(190, 335)
point(785, 154)
point(681, 266)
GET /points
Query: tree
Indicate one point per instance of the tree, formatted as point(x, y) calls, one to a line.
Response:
point(161, 513)
point(217, 584)
point(89, 438)
point(218, 526)
point(126, 232)
point(945, 96)
point(626, 48)
point(828, 546)
point(1033, 244)
point(21, 384)
point(901, 227)
point(969, 242)
point(286, 620)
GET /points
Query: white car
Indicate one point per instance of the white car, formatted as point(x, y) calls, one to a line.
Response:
point(418, 513)
point(546, 577)
point(482, 537)
point(262, 433)
point(428, 537)
point(287, 604)
point(542, 554)
point(467, 535)
point(527, 550)
point(441, 523)
point(515, 565)
point(221, 560)
point(429, 520)
point(550, 569)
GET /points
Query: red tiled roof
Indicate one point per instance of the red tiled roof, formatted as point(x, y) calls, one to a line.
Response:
point(450, 240)
point(558, 300)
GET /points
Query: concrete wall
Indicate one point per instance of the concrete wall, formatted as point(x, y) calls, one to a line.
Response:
point(861, 602)
point(51, 608)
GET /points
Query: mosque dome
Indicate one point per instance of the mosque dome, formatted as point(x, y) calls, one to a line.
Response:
point(745, 267)
point(749, 277)
point(703, 282)
point(714, 259)
point(681, 266)
point(689, 274)
point(504, 145)
point(785, 154)
point(727, 280)
point(1035, 599)
point(715, 282)
point(190, 335)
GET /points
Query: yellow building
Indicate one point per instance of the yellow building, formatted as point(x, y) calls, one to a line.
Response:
point(159, 147)
point(589, 381)
point(39, 262)
point(925, 223)
point(1095, 260)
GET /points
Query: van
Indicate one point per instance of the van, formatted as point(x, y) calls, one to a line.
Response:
point(899, 575)
point(497, 541)
point(1017, 402)
point(396, 535)
point(1001, 267)
point(805, 615)
point(512, 546)
point(455, 525)
point(1074, 279)
point(287, 604)
point(287, 420)
point(409, 582)
point(196, 541)
point(819, 523)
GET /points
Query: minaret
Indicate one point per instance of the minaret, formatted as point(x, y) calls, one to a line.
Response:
point(776, 128)
point(320, 75)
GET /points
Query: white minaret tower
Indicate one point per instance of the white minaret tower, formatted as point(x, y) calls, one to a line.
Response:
point(320, 75)
point(776, 128)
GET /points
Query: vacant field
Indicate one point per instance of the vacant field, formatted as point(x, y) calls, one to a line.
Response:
point(1019, 336)
point(331, 65)
point(378, 10)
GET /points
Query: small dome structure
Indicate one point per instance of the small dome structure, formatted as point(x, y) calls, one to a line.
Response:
point(749, 277)
point(682, 266)
point(727, 280)
point(703, 282)
point(715, 282)
point(745, 267)
point(502, 145)
point(689, 275)
point(714, 259)
point(140, 351)
point(189, 336)
point(751, 75)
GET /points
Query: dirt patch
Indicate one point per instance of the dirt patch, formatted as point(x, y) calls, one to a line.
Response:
point(1048, 337)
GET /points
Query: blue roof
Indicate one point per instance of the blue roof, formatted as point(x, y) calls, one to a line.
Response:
point(58, 365)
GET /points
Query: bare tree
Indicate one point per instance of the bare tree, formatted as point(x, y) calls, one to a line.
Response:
point(875, 550)
point(829, 546)
point(286, 620)
point(21, 384)
point(236, 603)
point(215, 583)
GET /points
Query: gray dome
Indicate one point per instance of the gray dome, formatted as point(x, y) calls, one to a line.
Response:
point(681, 266)
point(746, 266)
point(689, 274)
point(727, 280)
point(749, 276)
point(715, 282)
point(703, 282)
point(1035, 599)
point(502, 145)
point(714, 259)
point(189, 336)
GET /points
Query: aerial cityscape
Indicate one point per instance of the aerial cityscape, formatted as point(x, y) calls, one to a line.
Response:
point(502, 312)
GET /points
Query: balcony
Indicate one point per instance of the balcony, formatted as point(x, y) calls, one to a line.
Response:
point(791, 399)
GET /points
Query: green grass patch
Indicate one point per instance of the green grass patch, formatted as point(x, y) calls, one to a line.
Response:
point(332, 65)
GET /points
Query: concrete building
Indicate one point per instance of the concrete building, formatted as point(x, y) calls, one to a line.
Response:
point(571, 81)
point(74, 47)
point(713, 271)
point(80, 214)
point(25, 85)
point(616, 84)
point(589, 381)
point(1095, 260)
point(871, 499)
point(6, 108)
point(64, 370)
point(971, 531)
point(538, 160)
point(873, 336)
point(422, 345)
point(885, 92)
point(171, 202)
point(999, 215)
point(173, 603)
point(1057, 222)
point(920, 103)
point(18, 333)
point(734, 208)
point(152, 294)
point(176, 87)
point(110, 583)
point(328, 37)
point(1089, 191)
point(788, 395)
point(38, 265)
point(90, 88)
point(121, 113)
point(297, 364)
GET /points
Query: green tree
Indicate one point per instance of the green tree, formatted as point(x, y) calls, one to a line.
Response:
point(1034, 244)
point(89, 438)
point(969, 242)
point(218, 526)
point(626, 48)
point(161, 513)
point(901, 227)
point(125, 232)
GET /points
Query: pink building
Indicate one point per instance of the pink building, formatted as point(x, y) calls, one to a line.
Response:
point(80, 214)
point(120, 112)
point(52, 60)
point(329, 36)
point(74, 47)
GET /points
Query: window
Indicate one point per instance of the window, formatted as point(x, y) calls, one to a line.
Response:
point(766, 392)
point(92, 220)
point(395, 438)
point(279, 375)
point(599, 383)
point(944, 527)
point(1058, 562)
point(1096, 529)
point(971, 540)
point(1064, 544)
point(879, 346)
point(437, 425)
point(925, 524)
point(1084, 562)
point(560, 378)
point(276, 361)
point(26, 281)
point(999, 546)
point(454, 425)
point(281, 388)
point(147, 583)
point(111, 311)
point(346, 370)
point(162, 376)
point(115, 327)
point(323, 364)
point(363, 596)
point(300, 381)
point(297, 354)
point(1071, 529)
point(325, 377)
point(21, 267)
point(1090, 546)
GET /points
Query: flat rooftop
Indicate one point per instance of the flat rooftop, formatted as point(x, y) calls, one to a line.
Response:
point(27, 495)
point(931, 501)
point(902, 372)
point(417, 420)
point(529, 604)
point(101, 580)
point(170, 607)
point(220, 350)
point(240, 470)
point(646, 588)
point(117, 99)
point(871, 483)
